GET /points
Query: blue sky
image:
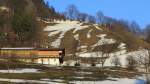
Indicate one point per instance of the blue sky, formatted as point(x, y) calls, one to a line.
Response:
point(131, 10)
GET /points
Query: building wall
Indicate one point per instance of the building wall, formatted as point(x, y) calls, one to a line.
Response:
point(50, 61)
point(36, 56)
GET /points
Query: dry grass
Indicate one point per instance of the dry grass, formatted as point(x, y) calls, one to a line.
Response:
point(70, 73)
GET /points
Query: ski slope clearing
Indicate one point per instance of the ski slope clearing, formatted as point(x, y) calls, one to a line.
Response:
point(64, 26)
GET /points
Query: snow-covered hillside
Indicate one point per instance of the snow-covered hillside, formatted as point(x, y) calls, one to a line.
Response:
point(78, 29)
point(84, 40)
point(62, 27)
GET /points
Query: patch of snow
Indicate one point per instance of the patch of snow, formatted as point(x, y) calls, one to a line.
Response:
point(28, 81)
point(4, 8)
point(69, 63)
point(85, 65)
point(45, 79)
point(97, 27)
point(122, 60)
point(122, 46)
point(79, 77)
point(89, 33)
point(138, 55)
point(89, 54)
point(57, 42)
point(76, 37)
point(102, 36)
point(46, 21)
point(38, 18)
point(103, 40)
point(25, 70)
point(117, 81)
point(82, 48)
point(72, 63)
point(56, 80)
point(53, 33)
point(121, 52)
point(83, 77)
point(84, 72)
point(63, 27)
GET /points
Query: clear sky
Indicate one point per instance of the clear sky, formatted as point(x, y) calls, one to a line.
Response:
point(131, 10)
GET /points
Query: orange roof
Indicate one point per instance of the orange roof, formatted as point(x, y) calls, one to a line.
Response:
point(48, 53)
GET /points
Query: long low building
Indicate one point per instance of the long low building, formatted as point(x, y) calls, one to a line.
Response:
point(36, 55)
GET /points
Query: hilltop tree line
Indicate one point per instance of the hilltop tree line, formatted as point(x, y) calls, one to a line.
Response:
point(72, 13)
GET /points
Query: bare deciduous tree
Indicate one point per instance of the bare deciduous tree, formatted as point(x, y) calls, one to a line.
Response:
point(103, 52)
point(144, 60)
point(76, 52)
point(116, 61)
point(99, 17)
point(72, 12)
point(131, 62)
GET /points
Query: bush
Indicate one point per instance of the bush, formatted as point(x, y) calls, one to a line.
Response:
point(93, 64)
point(116, 61)
point(77, 64)
point(131, 63)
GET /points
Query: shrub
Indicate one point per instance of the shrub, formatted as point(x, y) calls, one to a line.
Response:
point(77, 64)
point(93, 64)
point(131, 63)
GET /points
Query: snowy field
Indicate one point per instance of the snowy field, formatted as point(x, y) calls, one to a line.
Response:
point(139, 55)
point(111, 81)
point(42, 81)
point(58, 81)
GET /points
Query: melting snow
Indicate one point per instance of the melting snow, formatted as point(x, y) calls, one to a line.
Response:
point(102, 36)
point(30, 81)
point(83, 48)
point(63, 27)
point(139, 55)
point(58, 81)
point(84, 72)
point(123, 57)
point(97, 27)
point(103, 40)
point(57, 42)
point(76, 36)
point(89, 33)
point(112, 81)
point(90, 54)
point(4, 8)
point(122, 46)
point(54, 33)
point(25, 70)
